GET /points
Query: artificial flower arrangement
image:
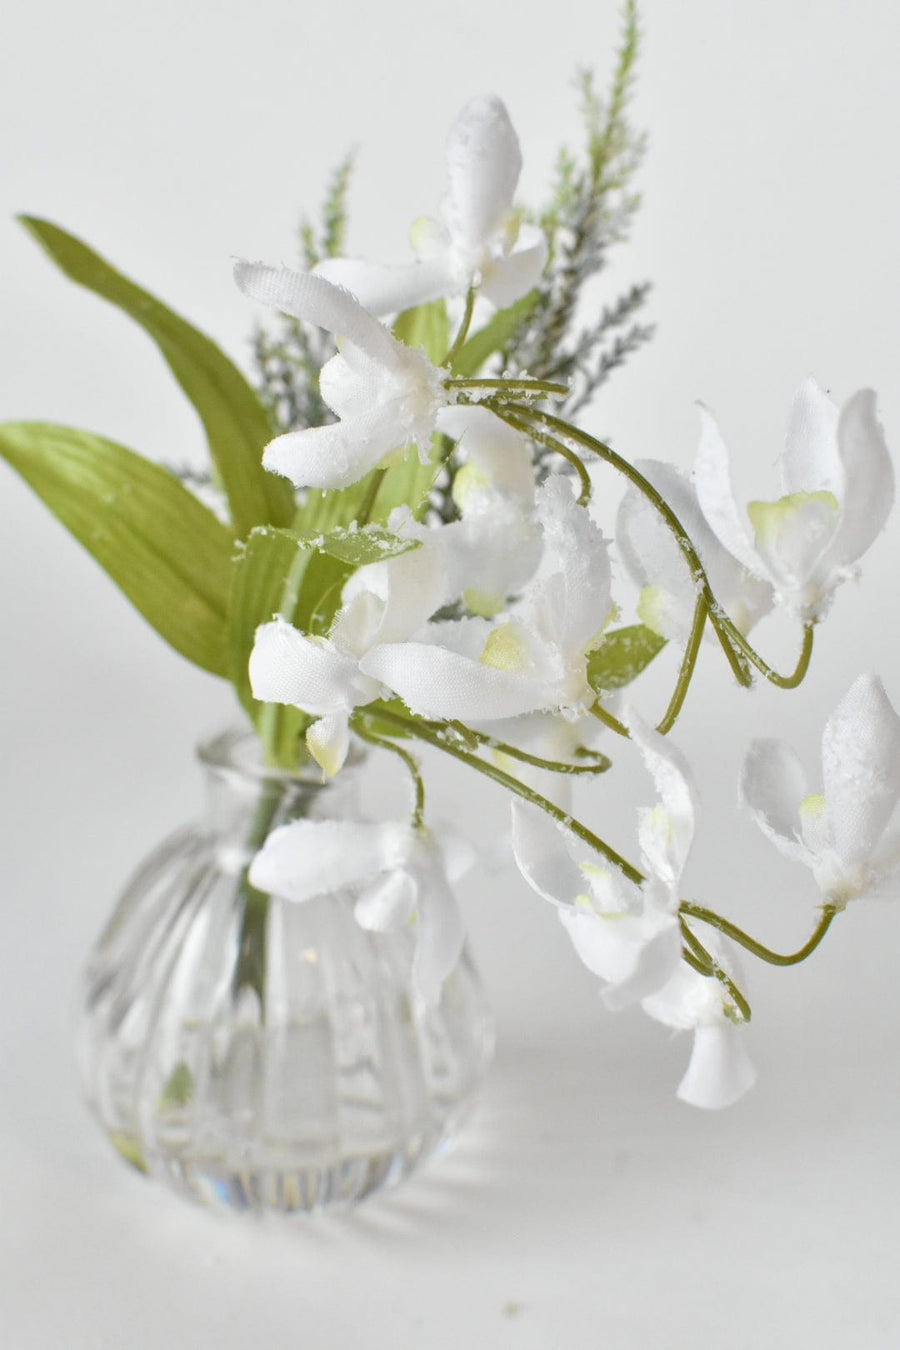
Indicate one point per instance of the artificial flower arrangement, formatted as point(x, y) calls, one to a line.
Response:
point(396, 545)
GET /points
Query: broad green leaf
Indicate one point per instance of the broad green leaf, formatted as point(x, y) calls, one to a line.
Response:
point(267, 578)
point(371, 544)
point(166, 551)
point(493, 336)
point(236, 424)
point(425, 326)
point(621, 657)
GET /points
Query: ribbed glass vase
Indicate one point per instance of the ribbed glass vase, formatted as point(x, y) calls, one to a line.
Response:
point(259, 1054)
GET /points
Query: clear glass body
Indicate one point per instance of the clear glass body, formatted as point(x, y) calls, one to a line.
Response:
point(259, 1054)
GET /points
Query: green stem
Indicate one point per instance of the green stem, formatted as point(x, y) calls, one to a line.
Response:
point(463, 331)
point(707, 965)
point(729, 635)
point(731, 930)
point(447, 740)
point(418, 813)
point(250, 965)
point(685, 674)
point(502, 386)
point(556, 446)
point(471, 739)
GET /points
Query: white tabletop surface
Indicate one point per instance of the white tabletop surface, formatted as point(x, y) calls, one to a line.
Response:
point(584, 1207)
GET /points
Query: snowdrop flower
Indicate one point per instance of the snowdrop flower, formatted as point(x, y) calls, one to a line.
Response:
point(719, 1071)
point(320, 675)
point(843, 834)
point(533, 660)
point(400, 873)
point(386, 396)
point(626, 933)
point(838, 489)
point(480, 240)
point(655, 562)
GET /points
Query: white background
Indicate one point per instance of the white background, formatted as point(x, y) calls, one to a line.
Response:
point(585, 1207)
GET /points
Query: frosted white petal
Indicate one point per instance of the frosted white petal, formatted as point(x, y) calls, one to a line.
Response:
point(666, 850)
point(810, 462)
point(288, 667)
point(388, 903)
point(712, 479)
point(434, 681)
point(317, 301)
point(335, 455)
point(389, 290)
point(868, 478)
point(507, 279)
point(441, 935)
point(719, 1071)
point(861, 768)
point(483, 166)
point(500, 452)
point(542, 857)
point(772, 786)
point(314, 857)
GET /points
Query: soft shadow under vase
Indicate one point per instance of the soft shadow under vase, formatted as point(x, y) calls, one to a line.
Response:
point(259, 1054)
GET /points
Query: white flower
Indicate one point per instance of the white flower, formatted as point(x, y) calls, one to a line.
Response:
point(626, 933)
point(655, 562)
point(401, 874)
point(838, 488)
point(386, 395)
point(843, 834)
point(480, 241)
point(535, 659)
point(719, 1071)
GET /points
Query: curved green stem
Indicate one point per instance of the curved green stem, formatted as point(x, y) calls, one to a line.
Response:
point(685, 674)
point(556, 446)
point(463, 330)
point(368, 504)
point(418, 812)
point(478, 739)
point(447, 740)
point(709, 966)
point(731, 930)
point(733, 642)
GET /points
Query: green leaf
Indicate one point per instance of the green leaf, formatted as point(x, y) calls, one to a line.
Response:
point(236, 424)
point(425, 326)
point(166, 551)
point(493, 336)
point(371, 544)
point(621, 657)
point(267, 578)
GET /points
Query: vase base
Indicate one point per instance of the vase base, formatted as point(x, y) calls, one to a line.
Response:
point(336, 1185)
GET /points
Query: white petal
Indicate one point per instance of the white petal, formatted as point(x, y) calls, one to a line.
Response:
point(507, 279)
point(861, 768)
point(666, 837)
point(810, 460)
point(483, 166)
point(501, 453)
point(440, 938)
point(389, 290)
point(719, 1071)
point(328, 741)
point(388, 903)
point(542, 857)
point(712, 480)
point(316, 300)
point(288, 667)
point(316, 857)
point(634, 962)
point(869, 478)
point(569, 601)
point(434, 681)
point(335, 455)
point(772, 787)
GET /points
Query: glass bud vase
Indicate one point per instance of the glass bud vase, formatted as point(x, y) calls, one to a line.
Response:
point(259, 1054)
